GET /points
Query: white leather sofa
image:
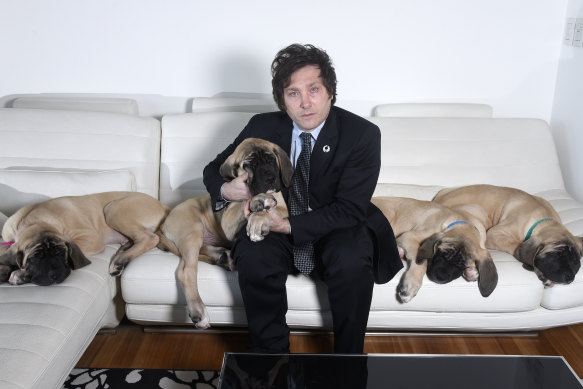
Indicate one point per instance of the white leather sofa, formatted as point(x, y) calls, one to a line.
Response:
point(48, 153)
point(420, 155)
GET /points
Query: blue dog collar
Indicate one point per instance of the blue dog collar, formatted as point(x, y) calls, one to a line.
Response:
point(529, 233)
point(454, 223)
point(460, 222)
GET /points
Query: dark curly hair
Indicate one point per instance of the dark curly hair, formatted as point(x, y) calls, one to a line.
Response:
point(295, 57)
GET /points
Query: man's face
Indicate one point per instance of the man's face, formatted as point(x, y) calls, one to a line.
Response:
point(307, 100)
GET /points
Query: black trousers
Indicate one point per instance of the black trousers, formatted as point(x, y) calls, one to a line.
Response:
point(344, 262)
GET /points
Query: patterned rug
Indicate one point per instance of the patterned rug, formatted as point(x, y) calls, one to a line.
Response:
point(141, 378)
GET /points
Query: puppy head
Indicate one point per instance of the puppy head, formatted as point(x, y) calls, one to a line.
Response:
point(446, 255)
point(555, 259)
point(453, 254)
point(47, 259)
point(268, 166)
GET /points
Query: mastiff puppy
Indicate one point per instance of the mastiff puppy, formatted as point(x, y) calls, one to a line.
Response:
point(524, 226)
point(194, 232)
point(50, 238)
point(441, 242)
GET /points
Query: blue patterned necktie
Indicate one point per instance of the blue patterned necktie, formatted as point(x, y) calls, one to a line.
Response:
point(303, 253)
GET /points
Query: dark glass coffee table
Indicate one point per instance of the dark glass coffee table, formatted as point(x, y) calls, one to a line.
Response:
point(384, 371)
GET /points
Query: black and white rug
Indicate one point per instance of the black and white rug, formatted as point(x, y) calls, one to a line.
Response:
point(141, 378)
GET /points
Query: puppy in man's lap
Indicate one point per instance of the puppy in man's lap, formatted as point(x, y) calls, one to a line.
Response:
point(194, 231)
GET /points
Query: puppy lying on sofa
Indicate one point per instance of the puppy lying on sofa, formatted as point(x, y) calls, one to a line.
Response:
point(524, 226)
point(50, 238)
point(194, 232)
point(441, 242)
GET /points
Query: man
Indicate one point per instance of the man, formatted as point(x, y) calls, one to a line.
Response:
point(339, 228)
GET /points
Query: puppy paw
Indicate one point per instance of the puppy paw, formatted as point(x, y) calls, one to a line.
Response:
point(258, 225)
point(471, 274)
point(406, 290)
point(225, 261)
point(18, 277)
point(116, 268)
point(262, 202)
point(199, 316)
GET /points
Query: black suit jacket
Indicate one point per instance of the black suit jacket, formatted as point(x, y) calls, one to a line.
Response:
point(344, 168)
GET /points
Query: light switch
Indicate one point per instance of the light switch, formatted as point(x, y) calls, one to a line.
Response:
point(569, 31)
point(578, 34)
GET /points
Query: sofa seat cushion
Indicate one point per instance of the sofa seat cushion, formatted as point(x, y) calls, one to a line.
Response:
point(45, 329)
point(153, 294)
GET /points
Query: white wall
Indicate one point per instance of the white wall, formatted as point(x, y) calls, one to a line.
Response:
point(499, 52)
point(567, 116)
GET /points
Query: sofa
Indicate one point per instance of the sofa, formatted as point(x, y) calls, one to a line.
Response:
point(66, 149)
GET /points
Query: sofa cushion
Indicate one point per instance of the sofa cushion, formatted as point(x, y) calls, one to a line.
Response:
point(3, 219)
point(189, 143)
point(462, 151)
point(153, 294)
point(433, 110)
point(78, 102)
point(21, 187)
point(62, 140)
point(234, 104)
point(419, 192)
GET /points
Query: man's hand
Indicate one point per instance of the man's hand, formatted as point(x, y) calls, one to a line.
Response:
point(236, 190)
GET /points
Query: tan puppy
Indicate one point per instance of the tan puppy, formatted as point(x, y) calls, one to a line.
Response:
point(194, 232)
point(57, 235)
point(438, 241)
point(524, 226)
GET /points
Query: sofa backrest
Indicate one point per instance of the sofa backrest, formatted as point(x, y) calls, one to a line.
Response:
point(189, 142)
point(419, 155)
point(80, 102)
point(462, 151)
point(433, 110)
point(78, 148)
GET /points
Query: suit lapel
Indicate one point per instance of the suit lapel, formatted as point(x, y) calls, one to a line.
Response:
point(325, 146)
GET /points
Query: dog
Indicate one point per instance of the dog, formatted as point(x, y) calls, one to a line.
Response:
point(524, 226)
point(51, 238)
point(193, 231)
point(441, 242)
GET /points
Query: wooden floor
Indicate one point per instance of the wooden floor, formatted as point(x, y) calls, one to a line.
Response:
point(131, 347)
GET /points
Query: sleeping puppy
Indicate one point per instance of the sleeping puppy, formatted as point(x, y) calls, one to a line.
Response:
point(524, 226)
point(50, 238)
point(438, 241)
point(194, 232)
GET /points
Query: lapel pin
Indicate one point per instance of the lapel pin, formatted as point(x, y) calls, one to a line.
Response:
point(326, 148)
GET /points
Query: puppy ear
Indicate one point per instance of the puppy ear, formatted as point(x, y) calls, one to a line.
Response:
point(527, 251)
point(579, 244)
point(75, 256)
point(488, 275)
point(286, 168)
point(229, 168)
point(427, 249)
